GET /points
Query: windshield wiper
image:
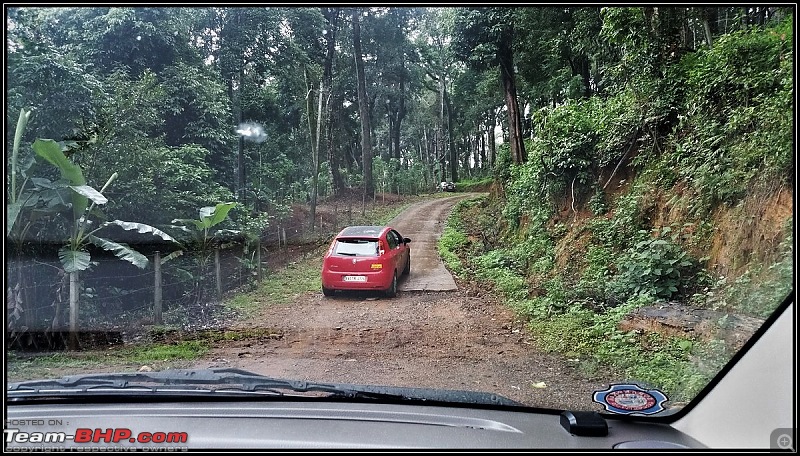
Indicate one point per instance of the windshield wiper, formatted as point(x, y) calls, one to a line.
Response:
point(225, 381)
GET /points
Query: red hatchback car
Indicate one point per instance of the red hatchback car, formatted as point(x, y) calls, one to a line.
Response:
point(366, 258)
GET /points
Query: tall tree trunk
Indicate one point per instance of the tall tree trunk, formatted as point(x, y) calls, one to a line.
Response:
point(332, 15)
point(476, 147)
point(426, 160)
point(490, 131)
point(483, 150)
point(240, 163)
point(709, 17)
point(518, 154)
point(450, 140)
point(466, 140)
point(390, 118)
point(363, 108)
point(315, 134)
point(440, 144)
point(401, 113)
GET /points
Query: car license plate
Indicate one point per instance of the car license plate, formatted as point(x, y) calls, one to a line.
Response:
point(355, 278)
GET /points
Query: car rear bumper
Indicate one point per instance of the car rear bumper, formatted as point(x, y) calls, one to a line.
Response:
point(378, 280)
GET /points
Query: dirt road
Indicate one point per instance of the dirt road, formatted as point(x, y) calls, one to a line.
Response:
point(457, 338)
point(423, 223)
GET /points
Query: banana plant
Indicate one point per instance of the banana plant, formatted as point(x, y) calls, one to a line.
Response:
point(84, 199)
point(200, 229)
point(201, 236)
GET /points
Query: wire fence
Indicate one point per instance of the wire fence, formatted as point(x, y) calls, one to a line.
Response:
point(185, 292)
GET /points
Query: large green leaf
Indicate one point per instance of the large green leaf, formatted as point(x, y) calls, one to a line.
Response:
point(74, 260)
point(213, 215)
point(141, 228)
point(90, 193)
point(122, 251)
point(51, 151)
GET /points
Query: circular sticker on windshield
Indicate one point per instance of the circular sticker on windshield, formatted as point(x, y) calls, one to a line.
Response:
point(630, 399)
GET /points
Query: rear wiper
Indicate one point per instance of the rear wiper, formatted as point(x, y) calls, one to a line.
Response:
point(231, 381)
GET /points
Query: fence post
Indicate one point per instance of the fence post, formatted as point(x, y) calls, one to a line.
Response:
point(73, 310)
point(218, 270)
point(336, 217)
point(283, 235)
point(157, 294)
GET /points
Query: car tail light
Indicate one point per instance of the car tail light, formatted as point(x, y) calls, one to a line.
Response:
point(382, 249)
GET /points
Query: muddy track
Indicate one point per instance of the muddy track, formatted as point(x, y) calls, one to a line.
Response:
point(456, 339)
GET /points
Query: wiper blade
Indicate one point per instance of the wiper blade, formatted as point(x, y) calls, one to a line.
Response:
point(209, 380)
point(233, 381)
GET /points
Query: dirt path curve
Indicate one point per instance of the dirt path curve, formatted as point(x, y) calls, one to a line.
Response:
point(459, 339)
point(423, 222)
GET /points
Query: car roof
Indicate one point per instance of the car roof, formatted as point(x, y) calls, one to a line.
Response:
point(362, 231)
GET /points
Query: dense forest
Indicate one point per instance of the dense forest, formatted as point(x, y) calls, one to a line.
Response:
point(626, 146)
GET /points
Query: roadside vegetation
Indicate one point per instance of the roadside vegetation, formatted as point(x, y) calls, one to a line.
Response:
point(645, 197)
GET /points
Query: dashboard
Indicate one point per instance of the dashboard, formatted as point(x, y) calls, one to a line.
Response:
point(288, 424)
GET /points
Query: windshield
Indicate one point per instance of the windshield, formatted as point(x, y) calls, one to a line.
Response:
point(618, 220)
point(363, 247)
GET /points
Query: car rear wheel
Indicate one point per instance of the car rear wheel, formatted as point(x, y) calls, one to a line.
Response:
point(327, 291)
point(392, 291)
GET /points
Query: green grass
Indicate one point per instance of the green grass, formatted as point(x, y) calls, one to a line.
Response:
point(157, 356)
point(594, 342)
point(449, 242)
point(185, 350)
point(282, 286)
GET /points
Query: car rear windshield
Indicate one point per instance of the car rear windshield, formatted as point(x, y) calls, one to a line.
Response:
point(356, 247)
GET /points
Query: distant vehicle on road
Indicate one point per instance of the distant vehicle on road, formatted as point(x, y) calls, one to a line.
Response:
point(366, 258)
point(447, 187)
